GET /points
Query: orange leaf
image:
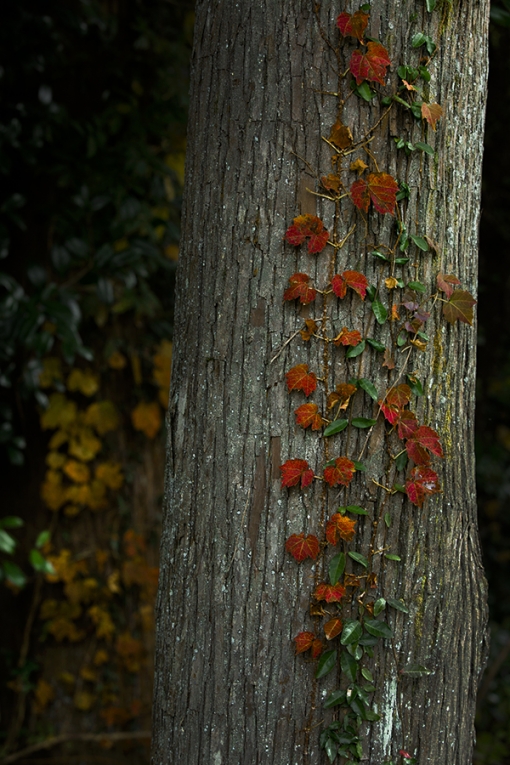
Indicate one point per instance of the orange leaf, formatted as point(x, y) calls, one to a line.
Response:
point(343, 526)
point(431, 113)
point(317, 648)
point(342, 394)
point(296, 471)
point(304, 641)
point(352, 26)
point(301, 547)
point(371, 65)
point(300, 288)
point(358, 166)
point(381, 188)
point(333, 628)
point(311, 227)
point(341, 136)
point(311, 329)
point(353, 279)
point(341, 473)
point(307, 414)
point(299, 378)
point(331, 593)
point(331, 182)
point(348, 337)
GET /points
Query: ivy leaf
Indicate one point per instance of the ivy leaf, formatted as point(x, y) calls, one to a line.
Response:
point(317, 648)
point(353, 279)
point(341, 395)
point(380, 311)
point(423, 481)
point(356, 351)
point(407, 424)
point(351, 632)
point(352, 26)
point(349, 666)
point(431, 113)
point(341, 473)
point(421, 440)
point(299, 378)
point(340, 136)
point(369, 387)
point(295, 471)
point(333, 628)
point(359, 558)
point(348, 337)
point(378, 629)
point(459, 306)
point(363, 422)
point(371, 65)
point(447, 283)
point(334, 699)
point(304, 641)
point(340, 527)
point(336, 427)
point(380, 188)
point(336, 567)
point(395, 400)
point(311, 328)
point(301, 547)
point(300, 289)
point(331, 593)
point(326, 664)
point(399, 605)
point(308, 227)
point(308, 414)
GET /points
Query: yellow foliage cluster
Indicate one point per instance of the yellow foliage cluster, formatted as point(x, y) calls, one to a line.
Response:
point(147, 418)
point(43, 694)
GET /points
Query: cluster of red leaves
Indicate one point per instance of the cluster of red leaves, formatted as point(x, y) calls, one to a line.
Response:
point(340, 527)
point(371, 64)
point(299, 378)
point(331, 593)
point(340, 473)
point(301, 547)
point(300, 289)
point(353, 279)
point(308, 227)
point(380, 188)
point(306, 641)
point(348, 337)
point(308, 414)
point(295, 472)
point(422, 482)
point(460, 302)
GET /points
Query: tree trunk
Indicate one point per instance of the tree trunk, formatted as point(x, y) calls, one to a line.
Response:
point(229, 687)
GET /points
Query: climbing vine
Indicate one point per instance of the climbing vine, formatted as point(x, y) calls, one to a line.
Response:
point(348, 607)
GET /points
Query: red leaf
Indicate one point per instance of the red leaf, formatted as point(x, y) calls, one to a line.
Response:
point(307, 414)
point(341, 473)
point(299, 378)
point(348, 337)
point(304, 641)
point(371, 65)
point(317, 648)
point(333, 628)
point(394, 402)
point(381, 188)
point(459, 306)
point(301, 547)
point(353, 279)
point(431, 113)
point(407, 424)
point(331, 593)
point(294, 471)
point(299, 288)
point(446, 283)
point(423, 438)
point(340, 526)
point(422, 481)
point(311, 227)
point(352, 26)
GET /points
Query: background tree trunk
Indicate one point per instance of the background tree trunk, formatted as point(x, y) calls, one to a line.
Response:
point(229, 689)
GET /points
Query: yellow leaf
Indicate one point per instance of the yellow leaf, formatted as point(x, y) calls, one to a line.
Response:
point(110, 473)
point(71, 510)
point(58, 438)
point(100, 657)
point(163, 364)
point(103, 416)
point(84, 445)
point(83, 700)
point(60, 413)
point(88, 673)
point(130, 650)
point(51, 371)
point(172, 251)
point(117, 360)
point(53, 493)
point(67, 678)
point(163, 397)
point(83, 380)
point(113, 582)
point(77, 471)
point(147, 418)
point(44, 693)
point(105, 627)
point(55, 460)
point(102, 557)
point(97, 499)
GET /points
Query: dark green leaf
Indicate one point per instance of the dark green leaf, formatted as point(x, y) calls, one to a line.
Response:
point(398, 604)
point(415, 670)
point(369, 387)
point(335, 427)
point(326, 663)
point(11, 522)
point(356, 350)
point(13, 573)
point(334, 699)
point(380, 312)
point(401, 101)
point(379, 605)
point(378, 628)
point(7, 543)
point(402, 338)
point(355, 650)
point(42, 539)
point(416, 109)
point(386, 101)
point(390, 556)
point(387, 520)
point(420, 242)
point(356, 509)
point(371, 292)
point(331, 749)
point(359, 465)
point(40, 563)
point(424, 73)
point(402, 261)
point(336, 567)
point(359, 709)
point(367, 640)
point(417, 286)
point(431, 4)
point(362, 422)
point(365, 91)
point(351, 632)
point(372, 716)
point(349, 665)
point(415, 385)
point(380, 255)
point(401, 460)
point(376, 345)
point(399, 487)
point(367, 675)
point(359, 558)
point(425, 147)
point(418, 39)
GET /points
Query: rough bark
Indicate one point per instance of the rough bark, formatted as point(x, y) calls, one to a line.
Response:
point(229, 689)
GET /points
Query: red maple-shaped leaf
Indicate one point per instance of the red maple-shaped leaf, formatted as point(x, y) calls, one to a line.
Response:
point(353, 279)
point(296, 471)
point(407, 424)
point(333, 628)
point(422, 481)
point(340, 527)
point(308, 414)
point(421, 442)
point(304, 641)
point(299, 378)
point(348, 337)
point(352, 26)
point(301, 547)
point(394, 402)
point(371, 65)
point(431, 113)
point(447, 283)
point(341, 473)
point(300, 288)
point(459, 306)
point(317, 648)
point(308, 227)
point(331, 593)
point(381, 188)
